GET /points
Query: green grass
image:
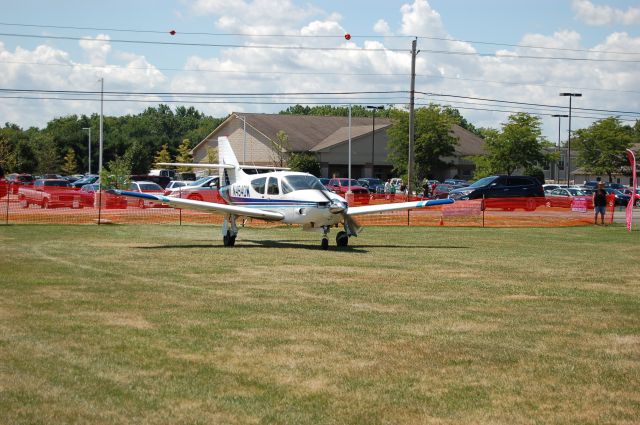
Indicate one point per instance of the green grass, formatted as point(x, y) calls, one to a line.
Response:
point(162, 324)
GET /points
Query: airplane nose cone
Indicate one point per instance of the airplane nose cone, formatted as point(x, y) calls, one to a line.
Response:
point(337, 207)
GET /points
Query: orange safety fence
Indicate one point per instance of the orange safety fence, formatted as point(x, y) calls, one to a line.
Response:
point(70, 208)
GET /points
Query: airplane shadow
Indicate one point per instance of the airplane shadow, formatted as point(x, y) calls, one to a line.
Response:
point(298, 244)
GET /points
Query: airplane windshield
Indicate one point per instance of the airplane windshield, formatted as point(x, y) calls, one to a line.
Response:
point(301, 182)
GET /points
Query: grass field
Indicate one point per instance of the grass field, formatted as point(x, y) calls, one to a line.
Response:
point(162, 324)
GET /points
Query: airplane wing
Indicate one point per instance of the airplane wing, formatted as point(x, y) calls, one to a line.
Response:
point(370, 209)
point(216, 166)
point(211, 207)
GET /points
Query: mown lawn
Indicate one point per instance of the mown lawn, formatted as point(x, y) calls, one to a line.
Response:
point(162, 324)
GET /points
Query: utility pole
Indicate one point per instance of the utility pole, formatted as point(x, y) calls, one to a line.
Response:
point(411, 115)
point(559, 116)
point(570, 96)
point(373, 137)
point(101, 123)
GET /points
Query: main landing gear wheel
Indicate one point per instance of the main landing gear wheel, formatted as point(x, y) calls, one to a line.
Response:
point(342, 239)
point(229, 239)
point(325, 244)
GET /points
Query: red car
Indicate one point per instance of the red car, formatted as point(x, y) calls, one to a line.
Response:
point(341, 186)
point(568, 198)
point(89, 192)
point(16, 180)
point(49, 193)
point(146, 187)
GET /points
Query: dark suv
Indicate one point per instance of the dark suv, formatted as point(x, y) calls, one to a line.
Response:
point(506, 192)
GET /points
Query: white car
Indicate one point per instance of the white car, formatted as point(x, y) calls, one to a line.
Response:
point(174, 184)
point(203, 189)
point(145, 187)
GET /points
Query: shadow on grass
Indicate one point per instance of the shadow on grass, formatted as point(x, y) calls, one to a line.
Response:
point(297, 244)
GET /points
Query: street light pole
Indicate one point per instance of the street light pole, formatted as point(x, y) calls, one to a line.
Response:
point(89, 129)
point(571, 96)
point(558, 146)
point(373, 136)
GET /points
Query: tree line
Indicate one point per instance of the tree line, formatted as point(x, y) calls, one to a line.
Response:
point(158, 134)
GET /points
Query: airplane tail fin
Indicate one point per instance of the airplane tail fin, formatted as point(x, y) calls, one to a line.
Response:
point(227, 157)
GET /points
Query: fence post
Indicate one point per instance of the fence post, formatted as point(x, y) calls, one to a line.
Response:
point(9, 188)
point(180, 209)
point(99, 203)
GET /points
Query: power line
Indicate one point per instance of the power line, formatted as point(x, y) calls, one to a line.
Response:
point(361, 94)
point(426, 37)
point(309, 48)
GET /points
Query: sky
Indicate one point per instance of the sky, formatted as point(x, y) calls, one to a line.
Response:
point(488, 58)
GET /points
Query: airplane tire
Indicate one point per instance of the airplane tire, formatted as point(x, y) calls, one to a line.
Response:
point(325, 244)
point(342, 239)
point(229, 240)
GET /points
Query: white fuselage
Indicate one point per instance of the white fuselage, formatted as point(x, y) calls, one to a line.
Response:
point(271, 192)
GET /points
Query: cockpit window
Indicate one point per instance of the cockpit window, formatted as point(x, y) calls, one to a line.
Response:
point(301, 182)
point(259, 184)
point(272, 187)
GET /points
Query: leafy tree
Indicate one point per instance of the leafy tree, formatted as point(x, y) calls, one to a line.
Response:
point(7, 154)
point(432, 141)
point(184, 155)
point(70, 165)
point(116, 174)
point(304, 162)
point(139, 157)
point(212, 158)
point(335, 111)
point(518, 145)
point(47, 155)
point(281, 146)
point(162, 155)
point(26, 161)
point(601, 147)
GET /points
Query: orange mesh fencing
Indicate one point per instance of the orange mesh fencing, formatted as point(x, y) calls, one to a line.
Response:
point(505, 212)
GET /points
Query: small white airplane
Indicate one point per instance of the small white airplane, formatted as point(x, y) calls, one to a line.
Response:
point(285, 196)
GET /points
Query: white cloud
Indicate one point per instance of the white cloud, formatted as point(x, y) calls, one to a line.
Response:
point(420, 18)
point(257, 16)
point(246, 70)
point(97, 49)
point(592, 14)
point(382, 27)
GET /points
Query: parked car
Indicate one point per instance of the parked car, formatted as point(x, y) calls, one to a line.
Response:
point(459, 182)
point(506, 192)
point(174, 184)
point(629, 192)
point(621, 198)
point(324, 181)
point(594, 183)
point(552, 186)
point(442, 190)
point(566, 197)
point(88, 179)
point(88, 194)
point(373, 184)
point(341, 186)
point(16, 180)
point(49, 193)
point(145, 187)
point(203, 189)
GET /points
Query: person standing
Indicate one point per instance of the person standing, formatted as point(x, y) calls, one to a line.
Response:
point(599, 203)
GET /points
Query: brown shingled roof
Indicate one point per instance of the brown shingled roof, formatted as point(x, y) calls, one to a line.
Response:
point(306, 132)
